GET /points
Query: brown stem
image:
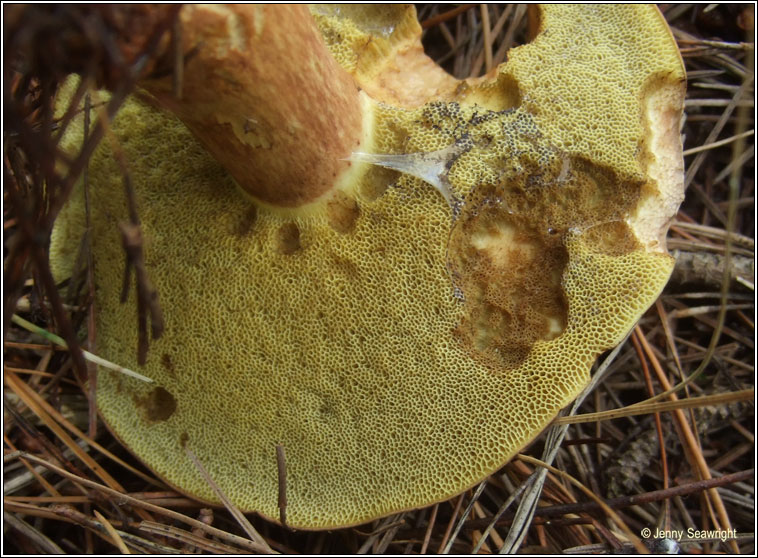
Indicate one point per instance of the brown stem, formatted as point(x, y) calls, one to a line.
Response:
point(265, 97)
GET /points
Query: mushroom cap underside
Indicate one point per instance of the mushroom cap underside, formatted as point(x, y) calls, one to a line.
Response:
point(400, 349)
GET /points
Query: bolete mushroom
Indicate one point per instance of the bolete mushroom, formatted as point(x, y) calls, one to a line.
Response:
point(398, 276)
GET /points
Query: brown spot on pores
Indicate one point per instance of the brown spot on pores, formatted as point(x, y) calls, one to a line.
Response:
point(168, 365)
point(159, 404)
point(342, 212)
point(245, 224)
point(288, 239)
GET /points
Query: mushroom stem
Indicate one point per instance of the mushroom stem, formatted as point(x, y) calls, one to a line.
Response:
point(264, 96)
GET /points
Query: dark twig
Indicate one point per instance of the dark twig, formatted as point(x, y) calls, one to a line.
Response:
point(147, 296)
point(445, 16)
point(132, 242)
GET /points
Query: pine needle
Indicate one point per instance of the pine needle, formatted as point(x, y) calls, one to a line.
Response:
point(19, 321)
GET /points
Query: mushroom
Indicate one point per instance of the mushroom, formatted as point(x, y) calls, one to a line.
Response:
point(398, 277)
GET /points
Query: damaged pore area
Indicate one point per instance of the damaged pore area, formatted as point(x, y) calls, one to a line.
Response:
point(510, 274)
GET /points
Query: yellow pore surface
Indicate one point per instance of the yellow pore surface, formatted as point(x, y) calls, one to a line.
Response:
point(399, 349)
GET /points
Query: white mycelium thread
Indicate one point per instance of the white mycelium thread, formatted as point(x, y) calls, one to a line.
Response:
point(431, 167)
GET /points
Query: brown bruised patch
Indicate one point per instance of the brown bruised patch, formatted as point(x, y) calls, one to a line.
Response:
point(168, 365)
point(288, 239)
point(159, 404)
point(342, 211)
point(375, 182)
point(245, 224)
